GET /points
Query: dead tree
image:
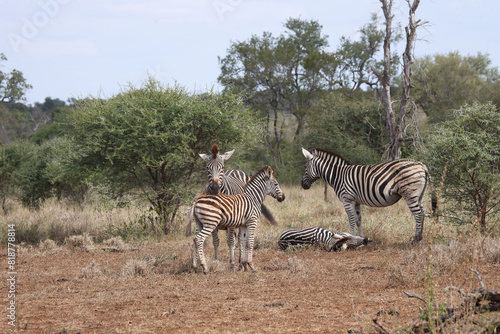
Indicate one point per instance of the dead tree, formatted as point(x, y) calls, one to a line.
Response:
point(395, 124)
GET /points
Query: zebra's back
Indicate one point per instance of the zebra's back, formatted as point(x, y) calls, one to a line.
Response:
point(322, 238)
point(309, 236)
point(234, 181)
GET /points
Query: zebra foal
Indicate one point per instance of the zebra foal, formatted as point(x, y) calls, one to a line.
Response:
point(322, 238)
point(377, 185)
point(234, 211)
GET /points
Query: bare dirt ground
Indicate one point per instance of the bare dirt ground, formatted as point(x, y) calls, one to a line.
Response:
point(303, 291)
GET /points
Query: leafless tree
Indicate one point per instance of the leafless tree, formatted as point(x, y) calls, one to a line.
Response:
point(396, 123)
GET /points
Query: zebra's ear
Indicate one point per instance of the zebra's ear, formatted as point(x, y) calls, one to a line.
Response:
point(227, 155)
point(205, 157)
point(269, 171)
point(307, 154)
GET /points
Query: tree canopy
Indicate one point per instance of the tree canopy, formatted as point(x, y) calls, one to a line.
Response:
point(445, 82)
point(13, 85)
point(149, 138)
point(467, 149)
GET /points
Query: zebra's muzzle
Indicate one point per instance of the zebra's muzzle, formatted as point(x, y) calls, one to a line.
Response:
point(214, 188)
point(281, 198)
point(306, 185)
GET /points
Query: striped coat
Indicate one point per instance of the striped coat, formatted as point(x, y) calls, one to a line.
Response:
point(234, 211)
point(377, 185)
point(321, 238)
point(229, 182)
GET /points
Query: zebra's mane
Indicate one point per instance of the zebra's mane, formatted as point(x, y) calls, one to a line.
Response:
point(317, 149)
point(215, 150)
point(260, 172)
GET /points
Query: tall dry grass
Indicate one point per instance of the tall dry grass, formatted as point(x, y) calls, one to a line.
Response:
point(58, 221)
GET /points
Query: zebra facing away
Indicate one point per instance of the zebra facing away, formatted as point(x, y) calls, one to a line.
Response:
point(377, 185)
point(229, 182)
point(234, 211)
point(322, 238)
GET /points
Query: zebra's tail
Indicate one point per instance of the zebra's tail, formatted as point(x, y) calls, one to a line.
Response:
point(190, 213)
point(268, 215)
point(434, 198)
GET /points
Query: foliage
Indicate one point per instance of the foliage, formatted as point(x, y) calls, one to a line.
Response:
point(357, 59)
point(469, 146)
point(13, 85)
point(12, 156)
point(287, 74)
point(279, 74)
point(38, 172)
point(148, 139)
point(351, 127)
point(58, 124)
point(443, 83)
point(39, 122)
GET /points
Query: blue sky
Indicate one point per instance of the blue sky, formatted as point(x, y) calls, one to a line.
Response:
point(76, 48)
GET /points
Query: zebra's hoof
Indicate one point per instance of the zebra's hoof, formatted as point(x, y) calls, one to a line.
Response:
point(416, 241)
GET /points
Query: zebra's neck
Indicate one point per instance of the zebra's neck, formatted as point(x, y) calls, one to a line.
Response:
point(256, 187)
point(329, 168)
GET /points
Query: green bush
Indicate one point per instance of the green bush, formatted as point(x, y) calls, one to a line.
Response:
point(468, 146)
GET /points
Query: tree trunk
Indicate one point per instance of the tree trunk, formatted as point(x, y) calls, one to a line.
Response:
point(385, 79)
point(395, 125)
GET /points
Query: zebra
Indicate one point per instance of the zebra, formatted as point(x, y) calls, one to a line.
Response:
point(321, 238)
point(377, 185)
point(229, 182)
point(234, 211)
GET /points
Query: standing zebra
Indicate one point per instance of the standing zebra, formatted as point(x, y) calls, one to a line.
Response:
point(234, 211)
point(321, 238)
point(377, 185)
point(229, 182)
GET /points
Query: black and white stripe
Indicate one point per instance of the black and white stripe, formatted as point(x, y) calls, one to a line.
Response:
point(229, 182)
point(234, 211)
point(377, 185)
point(321, 238)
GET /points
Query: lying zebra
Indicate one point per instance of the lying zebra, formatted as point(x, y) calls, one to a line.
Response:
point(321, 238)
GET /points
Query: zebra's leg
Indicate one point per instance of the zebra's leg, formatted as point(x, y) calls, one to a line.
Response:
point(357, 207)
point(216, 242)
point(199, 240)
point(242, 236)
point(195, 257)
point(231, 242)
point(354, 219)
point(199, 227)
point(249, 245)
point(417, 209)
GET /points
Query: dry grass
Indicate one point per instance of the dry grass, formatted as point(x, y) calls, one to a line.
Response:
point(91, 271)
point(80, 242)
point(115, 244)
point(85, 276)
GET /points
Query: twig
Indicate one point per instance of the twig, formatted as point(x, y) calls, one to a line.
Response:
point(413, 295)
point(479, 278)
point(448, 288)
point(493, 323)
point(380, 328)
